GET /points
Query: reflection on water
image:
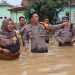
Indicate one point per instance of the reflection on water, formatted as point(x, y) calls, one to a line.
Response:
point(59, 61)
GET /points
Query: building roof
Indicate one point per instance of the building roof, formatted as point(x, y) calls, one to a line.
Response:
point(72, 3)
point(15, 9)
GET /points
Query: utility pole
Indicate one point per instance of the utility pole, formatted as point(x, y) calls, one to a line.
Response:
point(71, 25)
point(70, 11)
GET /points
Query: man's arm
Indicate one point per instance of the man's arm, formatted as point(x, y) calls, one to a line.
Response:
point(56, 27)
point(22, 30)
point(26, 39)
point(73, 32)
point(57, 36)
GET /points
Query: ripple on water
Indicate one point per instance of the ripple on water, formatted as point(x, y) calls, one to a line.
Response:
point(62, 73)
point(56, 67)
point(24, 73)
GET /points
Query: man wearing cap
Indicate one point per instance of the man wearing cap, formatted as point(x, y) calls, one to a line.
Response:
point(66, 35)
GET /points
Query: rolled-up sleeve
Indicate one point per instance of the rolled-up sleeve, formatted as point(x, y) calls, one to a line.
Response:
point(56, 27)
point(22, 30)
point(57, 36)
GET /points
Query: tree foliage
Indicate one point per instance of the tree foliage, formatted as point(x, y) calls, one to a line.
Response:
point(46, 8)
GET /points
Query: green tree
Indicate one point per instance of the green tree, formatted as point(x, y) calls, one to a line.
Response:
point(46, 8)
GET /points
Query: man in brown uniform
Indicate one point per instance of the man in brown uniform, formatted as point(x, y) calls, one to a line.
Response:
point(22, 24)
point(36, 32)
point(66, 35)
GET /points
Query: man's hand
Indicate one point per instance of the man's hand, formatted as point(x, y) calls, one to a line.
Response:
point(26, 48)
point(65, 24)
point(30, 37)
point(62, 42)
point(6, 51)
point(73, 40)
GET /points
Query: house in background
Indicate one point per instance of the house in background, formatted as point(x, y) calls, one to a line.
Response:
point(10, 11)
point(69, 10)
point(16, 12)
point(4, 13)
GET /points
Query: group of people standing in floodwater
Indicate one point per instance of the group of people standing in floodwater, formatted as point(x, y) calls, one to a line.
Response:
point(37, 32)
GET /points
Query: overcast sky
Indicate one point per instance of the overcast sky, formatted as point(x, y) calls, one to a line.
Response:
point(13, 2)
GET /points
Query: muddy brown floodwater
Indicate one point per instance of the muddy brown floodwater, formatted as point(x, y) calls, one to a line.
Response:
point(59, 61)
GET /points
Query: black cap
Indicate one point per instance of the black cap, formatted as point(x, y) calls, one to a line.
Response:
point(65, 18)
